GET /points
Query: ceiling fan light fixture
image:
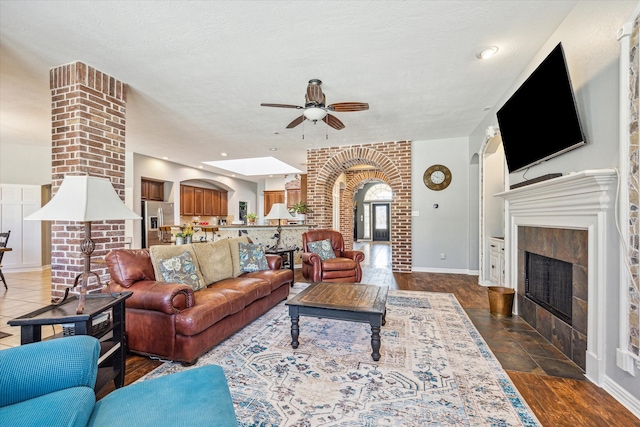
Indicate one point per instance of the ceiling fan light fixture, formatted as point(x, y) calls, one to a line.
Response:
point(315, 113)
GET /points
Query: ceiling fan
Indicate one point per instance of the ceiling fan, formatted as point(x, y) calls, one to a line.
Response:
point(315, 109)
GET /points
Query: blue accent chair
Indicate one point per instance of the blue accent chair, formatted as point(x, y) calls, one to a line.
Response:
point(50, 383)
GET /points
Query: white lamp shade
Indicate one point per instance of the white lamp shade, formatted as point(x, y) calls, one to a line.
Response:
point(279, 211)
point(84, 198)
point(314, 113)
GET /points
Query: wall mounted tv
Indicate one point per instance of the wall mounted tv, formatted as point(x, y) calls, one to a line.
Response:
point(540, 120)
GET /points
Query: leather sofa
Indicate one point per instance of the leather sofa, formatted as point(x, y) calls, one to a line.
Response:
point(171, 320)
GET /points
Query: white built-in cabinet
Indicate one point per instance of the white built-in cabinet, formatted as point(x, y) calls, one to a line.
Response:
point(496, 261)
point(16, 202)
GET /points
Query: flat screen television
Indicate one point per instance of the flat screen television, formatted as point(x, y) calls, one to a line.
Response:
point(540, 120)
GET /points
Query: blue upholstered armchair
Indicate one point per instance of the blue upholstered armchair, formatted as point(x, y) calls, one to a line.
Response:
point(50, 383)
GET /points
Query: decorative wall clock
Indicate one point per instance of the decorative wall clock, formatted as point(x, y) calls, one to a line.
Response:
point(437, 177)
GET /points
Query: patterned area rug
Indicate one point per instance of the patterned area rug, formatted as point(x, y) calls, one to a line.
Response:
point(435, 369)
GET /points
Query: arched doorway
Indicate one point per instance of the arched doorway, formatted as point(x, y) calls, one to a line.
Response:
point(389, 162)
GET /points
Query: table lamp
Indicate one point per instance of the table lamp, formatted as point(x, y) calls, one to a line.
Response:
point(279, 211)
point(84, 199)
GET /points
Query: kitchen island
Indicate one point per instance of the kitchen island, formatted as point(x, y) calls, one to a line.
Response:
point(267, 235)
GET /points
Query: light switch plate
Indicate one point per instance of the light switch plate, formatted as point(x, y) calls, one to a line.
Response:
point(415, 213)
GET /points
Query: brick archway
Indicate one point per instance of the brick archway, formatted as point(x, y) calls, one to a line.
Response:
point(390, 163)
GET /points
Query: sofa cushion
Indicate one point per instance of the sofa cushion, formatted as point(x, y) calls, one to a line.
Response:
point(252, 257)
point(159, 252)
point(214, 260)
point(234, 247)
point(128, 267)
point(323, 248)
point(68, 407)
point(251, 288)
point(180, 269)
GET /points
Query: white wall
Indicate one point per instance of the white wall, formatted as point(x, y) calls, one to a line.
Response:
point(445, 229)
point(25, 164)
point(174, 174)
point(588, 36)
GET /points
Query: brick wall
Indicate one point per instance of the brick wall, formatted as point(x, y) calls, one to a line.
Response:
point(390, 162)
point(88, 136)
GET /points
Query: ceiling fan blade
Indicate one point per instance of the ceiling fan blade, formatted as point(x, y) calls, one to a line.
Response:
point(282, 106)
point(344, 107)
point(314, 93)
point(333, 121)
point(296, 122)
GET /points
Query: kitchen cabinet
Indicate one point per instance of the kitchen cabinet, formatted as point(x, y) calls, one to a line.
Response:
point(152, 190)
point(293, 197)
point(198, 201)
point(271, 198)
point(187, 200)
point(207, 206)
point(496, 257)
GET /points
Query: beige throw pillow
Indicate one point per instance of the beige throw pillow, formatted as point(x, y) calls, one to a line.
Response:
point(159, 252)
point(214, 259)
point(234, 247)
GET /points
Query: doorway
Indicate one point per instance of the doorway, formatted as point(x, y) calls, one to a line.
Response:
point(381, 222)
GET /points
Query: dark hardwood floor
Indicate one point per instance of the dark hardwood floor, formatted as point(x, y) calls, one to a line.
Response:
point(551, 384)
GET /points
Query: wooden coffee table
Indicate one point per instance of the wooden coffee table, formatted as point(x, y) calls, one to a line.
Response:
point(342, 301)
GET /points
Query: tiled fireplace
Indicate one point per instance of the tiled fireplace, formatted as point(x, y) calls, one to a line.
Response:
point(556, 260)
point(571, 219)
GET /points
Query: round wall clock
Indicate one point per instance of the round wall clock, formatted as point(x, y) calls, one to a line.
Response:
point(437, 177)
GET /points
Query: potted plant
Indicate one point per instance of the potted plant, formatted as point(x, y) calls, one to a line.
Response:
point(301, 210)
point(184, 236)
point(251, 217)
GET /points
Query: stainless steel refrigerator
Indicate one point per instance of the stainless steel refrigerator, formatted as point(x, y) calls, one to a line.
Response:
point(155, 214)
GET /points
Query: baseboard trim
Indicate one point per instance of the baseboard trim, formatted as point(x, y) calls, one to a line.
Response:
point(27, 269)
point(445, 270)
point(622, 396)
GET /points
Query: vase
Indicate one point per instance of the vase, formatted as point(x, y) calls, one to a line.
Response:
point(187, 239)
point(179, 240)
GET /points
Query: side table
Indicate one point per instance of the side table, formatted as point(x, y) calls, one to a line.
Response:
point(111, 364)
point(287, 256)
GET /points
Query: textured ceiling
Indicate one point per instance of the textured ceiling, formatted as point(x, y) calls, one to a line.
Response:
point(197, 71)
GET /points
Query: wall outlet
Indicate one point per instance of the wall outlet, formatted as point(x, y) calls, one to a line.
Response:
point(443, 255)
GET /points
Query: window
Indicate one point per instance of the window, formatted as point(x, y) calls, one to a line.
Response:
point(379, 191)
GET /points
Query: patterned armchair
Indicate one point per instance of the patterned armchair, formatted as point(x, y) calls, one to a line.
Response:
point(325, 260)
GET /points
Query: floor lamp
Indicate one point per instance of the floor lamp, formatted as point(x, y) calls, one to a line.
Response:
point(279, 211)
point(84, 199)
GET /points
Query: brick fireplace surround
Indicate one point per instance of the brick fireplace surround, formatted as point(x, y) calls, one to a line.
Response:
point(580, 201)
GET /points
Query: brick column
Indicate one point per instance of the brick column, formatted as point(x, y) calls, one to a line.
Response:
point(88, 136)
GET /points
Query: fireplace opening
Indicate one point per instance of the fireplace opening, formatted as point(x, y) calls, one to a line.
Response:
point(549, 282)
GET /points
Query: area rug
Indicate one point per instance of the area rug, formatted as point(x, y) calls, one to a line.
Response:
point(435, 370)
point(4, 335)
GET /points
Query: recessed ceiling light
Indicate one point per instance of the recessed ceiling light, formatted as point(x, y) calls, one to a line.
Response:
point(223, 154)
point(487, 52)
point(273, 149)
point(201, 167)
point(487, 108)
point(165, 158)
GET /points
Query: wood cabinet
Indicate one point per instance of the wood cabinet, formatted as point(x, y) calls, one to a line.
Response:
point(271, 198)
point(293, 197)
point(496, 257)
point(198, 201)
point(152, 190)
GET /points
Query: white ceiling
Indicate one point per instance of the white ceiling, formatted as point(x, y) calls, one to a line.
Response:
point(197, 71)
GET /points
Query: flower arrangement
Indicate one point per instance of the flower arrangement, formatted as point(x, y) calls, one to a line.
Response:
point(251, 216)
point(185, 232)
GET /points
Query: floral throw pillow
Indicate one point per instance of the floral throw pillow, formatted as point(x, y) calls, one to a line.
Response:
point(252, 258)
point(323, 248)
point(180, 269)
